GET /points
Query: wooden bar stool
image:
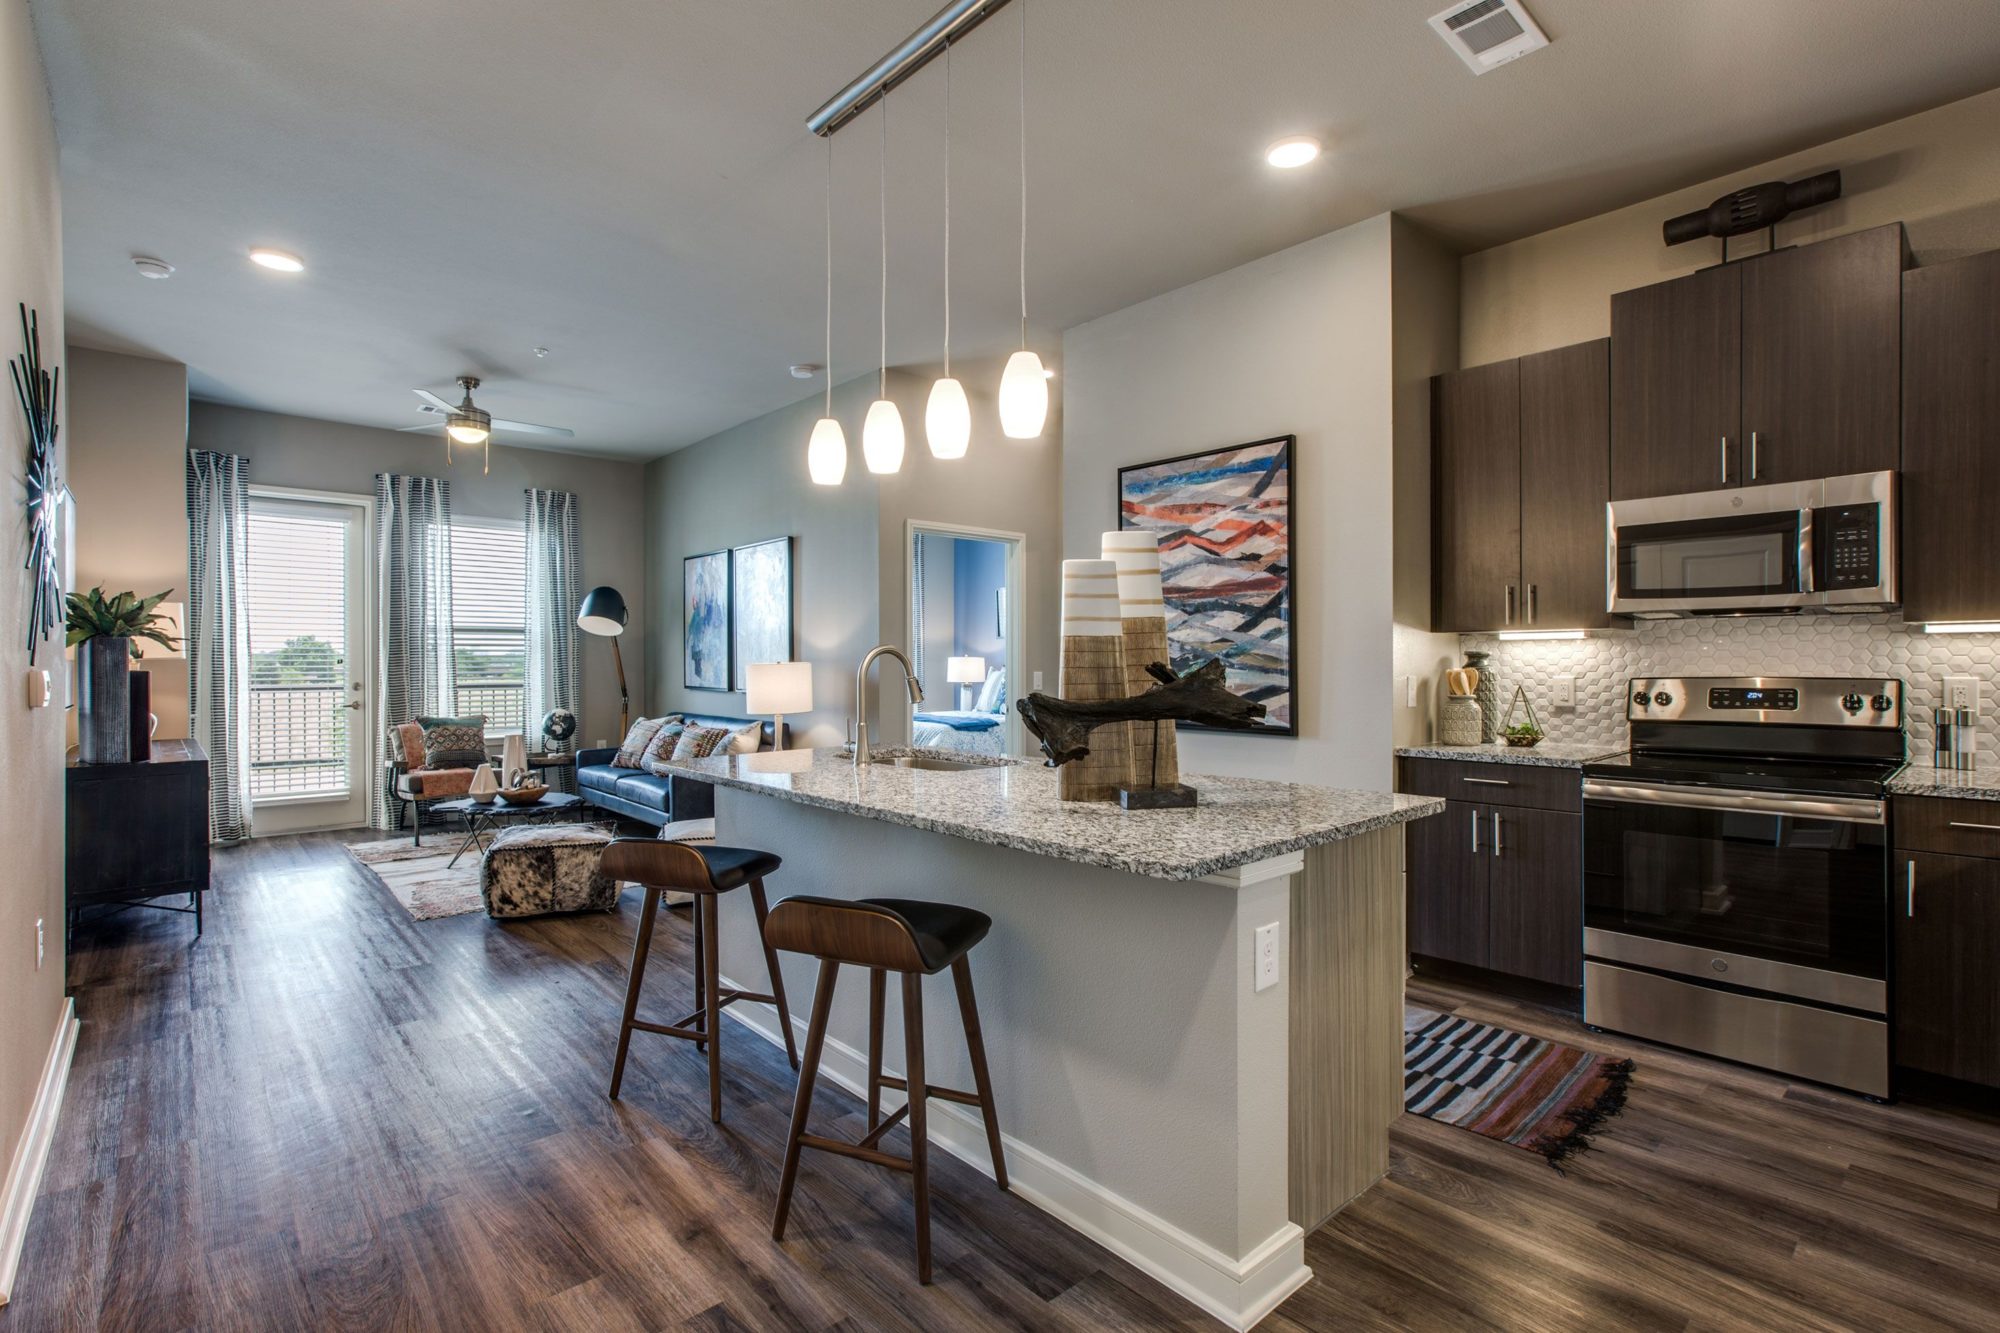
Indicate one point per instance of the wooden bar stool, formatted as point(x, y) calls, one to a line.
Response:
point(915, 939)
point(707, 872)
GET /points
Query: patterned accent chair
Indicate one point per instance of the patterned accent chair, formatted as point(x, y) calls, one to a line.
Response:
point(415, 786)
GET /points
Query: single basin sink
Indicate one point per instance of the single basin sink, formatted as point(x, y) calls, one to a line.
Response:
point(931, 765)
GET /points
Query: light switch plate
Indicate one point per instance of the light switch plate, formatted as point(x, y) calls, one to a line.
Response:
point(39, 689)
point(1565, 691)
point(1267, 956)
point(1038, 680)
point(1409, 691)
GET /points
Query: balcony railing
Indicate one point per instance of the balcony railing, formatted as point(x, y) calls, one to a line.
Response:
point(504, 703)
point(298, 740)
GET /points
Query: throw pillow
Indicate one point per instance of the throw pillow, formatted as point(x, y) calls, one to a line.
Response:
point(993, 694)
point(654, 761)
point(745, 740)
point(469, 720)
point(633, 749)
point(701, 742)
point(452, 745)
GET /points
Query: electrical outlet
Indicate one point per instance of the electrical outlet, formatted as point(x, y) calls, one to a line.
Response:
point(1267, 956)
point(41, 945)
point(1565, 691)
point(1962, 692)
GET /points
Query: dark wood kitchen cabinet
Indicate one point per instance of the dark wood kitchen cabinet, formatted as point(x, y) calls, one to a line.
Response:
point(1951, 438)
point(1945, 908)
point(1520, 477)
point(1782, 367)
point(1493, 884)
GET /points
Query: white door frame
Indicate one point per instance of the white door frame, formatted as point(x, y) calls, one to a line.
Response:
point(304, 814)
point(1014, 735)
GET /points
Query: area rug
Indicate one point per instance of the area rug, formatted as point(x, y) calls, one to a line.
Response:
point(421, 878)
point(1541, 1096)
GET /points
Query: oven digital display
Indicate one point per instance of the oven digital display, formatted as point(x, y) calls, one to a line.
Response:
point(1753, 699)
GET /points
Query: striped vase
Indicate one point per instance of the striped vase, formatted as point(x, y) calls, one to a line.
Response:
point(1143, 614)
point(1093, 668)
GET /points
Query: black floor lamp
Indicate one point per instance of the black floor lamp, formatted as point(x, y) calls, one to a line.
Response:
point(603, 613)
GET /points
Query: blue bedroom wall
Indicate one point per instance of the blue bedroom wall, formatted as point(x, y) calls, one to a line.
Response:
point(979, 571)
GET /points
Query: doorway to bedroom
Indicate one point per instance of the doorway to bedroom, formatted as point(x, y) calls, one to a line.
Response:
point(965, 637)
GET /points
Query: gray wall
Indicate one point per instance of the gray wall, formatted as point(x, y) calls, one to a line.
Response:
point(1297, 343)
point(330, 456)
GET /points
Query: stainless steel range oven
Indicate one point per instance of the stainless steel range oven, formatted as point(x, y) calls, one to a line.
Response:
point(1736, 868)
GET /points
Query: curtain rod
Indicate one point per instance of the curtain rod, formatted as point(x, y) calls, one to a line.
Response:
point(912, 54)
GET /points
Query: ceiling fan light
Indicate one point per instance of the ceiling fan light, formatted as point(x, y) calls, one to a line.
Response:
point(882, 437)
point(1024, 396)
point(948, 419)
point(826, 453)
point(469, 427)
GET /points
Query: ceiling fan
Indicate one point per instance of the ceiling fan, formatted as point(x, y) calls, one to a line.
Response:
point(467, 423)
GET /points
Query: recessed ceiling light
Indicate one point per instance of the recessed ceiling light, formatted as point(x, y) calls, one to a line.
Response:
point(283, 261)
point(1292, 152)
point(541, 353)
point(150, 267)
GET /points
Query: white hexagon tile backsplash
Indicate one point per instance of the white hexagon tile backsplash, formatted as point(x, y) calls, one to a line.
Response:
point(1843, 645)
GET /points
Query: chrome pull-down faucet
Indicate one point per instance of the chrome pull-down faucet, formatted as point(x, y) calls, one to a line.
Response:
point(861, 695)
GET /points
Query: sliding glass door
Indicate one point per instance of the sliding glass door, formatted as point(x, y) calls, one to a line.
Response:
point(309, 741)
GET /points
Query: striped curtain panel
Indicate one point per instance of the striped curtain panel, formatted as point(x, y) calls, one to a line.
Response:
point(218, 633)
point(554, 572)
point(413, 623)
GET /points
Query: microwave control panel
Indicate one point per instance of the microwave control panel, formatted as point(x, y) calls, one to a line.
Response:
point(1848, 540)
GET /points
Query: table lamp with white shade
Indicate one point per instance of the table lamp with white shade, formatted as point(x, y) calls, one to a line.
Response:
point(964, 671)
point(779, 688)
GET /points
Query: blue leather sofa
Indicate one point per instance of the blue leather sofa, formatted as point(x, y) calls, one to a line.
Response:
point(637, 794)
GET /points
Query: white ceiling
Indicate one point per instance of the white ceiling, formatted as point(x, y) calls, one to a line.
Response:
point(629, 182)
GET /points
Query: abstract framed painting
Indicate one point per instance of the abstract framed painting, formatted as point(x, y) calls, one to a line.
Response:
point(705, 621)
point(760, 601)
point(1224, 519)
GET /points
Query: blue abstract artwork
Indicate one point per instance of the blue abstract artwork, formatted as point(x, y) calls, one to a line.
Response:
point(705, 621)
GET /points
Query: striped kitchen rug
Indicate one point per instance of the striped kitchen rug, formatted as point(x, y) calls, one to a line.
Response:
point(1539, 1095)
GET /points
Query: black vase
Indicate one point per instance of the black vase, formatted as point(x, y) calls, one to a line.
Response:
point(104, 701)
point(142, 717)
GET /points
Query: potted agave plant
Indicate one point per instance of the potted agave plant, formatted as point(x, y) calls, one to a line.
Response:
point(105, 632)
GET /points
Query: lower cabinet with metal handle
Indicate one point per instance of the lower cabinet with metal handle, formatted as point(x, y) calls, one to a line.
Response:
point(1507, 897)
point(1944, 985)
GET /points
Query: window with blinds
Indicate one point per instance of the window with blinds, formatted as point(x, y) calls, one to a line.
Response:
point(489, 623)
point(297, 611)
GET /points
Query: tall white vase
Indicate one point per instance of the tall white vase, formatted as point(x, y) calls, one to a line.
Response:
point(1142, 613)
point(1093, 668)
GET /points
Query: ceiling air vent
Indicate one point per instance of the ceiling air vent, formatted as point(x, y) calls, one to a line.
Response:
point(1488, 33)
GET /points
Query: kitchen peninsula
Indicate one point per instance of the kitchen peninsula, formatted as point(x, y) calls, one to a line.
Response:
point(1152, 1094)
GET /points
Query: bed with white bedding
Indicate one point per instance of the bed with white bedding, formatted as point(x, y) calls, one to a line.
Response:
point(980, 729)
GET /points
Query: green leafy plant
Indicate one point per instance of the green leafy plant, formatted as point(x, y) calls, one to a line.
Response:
point(126, 615)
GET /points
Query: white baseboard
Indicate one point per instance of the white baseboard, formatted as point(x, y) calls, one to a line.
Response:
point(1239, 1292)
point(31, 1155)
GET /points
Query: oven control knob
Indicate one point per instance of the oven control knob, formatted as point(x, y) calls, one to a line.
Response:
point(1663, 699)
point(1642, 698)
point(1882, 703)
point(1852, 702)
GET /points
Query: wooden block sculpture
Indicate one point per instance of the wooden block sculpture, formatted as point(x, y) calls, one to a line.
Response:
point(1143, 614)
point(1093, 671)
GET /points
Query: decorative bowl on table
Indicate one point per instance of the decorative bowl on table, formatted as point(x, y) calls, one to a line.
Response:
point(524, 795)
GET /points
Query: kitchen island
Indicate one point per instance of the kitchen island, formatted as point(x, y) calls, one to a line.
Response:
point(1153, 1092)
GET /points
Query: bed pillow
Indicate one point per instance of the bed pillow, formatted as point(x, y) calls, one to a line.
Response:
point(454, 745)
point(701, 742)
point(633, 748)
point(654, 761)
point(993, 694)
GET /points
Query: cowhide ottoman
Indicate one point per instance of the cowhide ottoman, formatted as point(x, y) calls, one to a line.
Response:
point(534, 869)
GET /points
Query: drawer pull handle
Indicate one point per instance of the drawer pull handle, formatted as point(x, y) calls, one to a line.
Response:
point(1910, 881)
point(1490, 782)
point(1983, 828)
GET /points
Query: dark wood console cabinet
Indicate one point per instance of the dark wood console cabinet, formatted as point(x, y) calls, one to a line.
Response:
point(138, 832)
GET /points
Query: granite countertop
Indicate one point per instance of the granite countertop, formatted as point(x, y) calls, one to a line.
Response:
point(1013, 803)
point(1549, 754)
point(1918, 778)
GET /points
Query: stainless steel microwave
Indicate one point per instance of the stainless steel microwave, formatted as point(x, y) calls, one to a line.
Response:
point(1826, 545)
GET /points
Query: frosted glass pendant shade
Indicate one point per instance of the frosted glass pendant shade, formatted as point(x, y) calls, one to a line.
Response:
point(826, 453)
point(948, 420)
point(1024, 396)
point(882, 437)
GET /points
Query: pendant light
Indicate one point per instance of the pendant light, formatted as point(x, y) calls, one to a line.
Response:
point(947, 417)
point(882, 432)
point(1024, 386)
point(826, 452)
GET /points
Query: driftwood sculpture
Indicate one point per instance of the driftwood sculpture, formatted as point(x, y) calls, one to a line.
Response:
point(1063, 726)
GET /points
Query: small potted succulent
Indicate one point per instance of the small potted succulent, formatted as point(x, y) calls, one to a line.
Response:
point(1528, 730)
point(105, 632)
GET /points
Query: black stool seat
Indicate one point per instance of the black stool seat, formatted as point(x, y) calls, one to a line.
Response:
point(942, 932)
point(902, 934)
point(733, 867)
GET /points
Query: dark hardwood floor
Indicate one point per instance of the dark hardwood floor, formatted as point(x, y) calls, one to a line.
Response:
point(325, 1115)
